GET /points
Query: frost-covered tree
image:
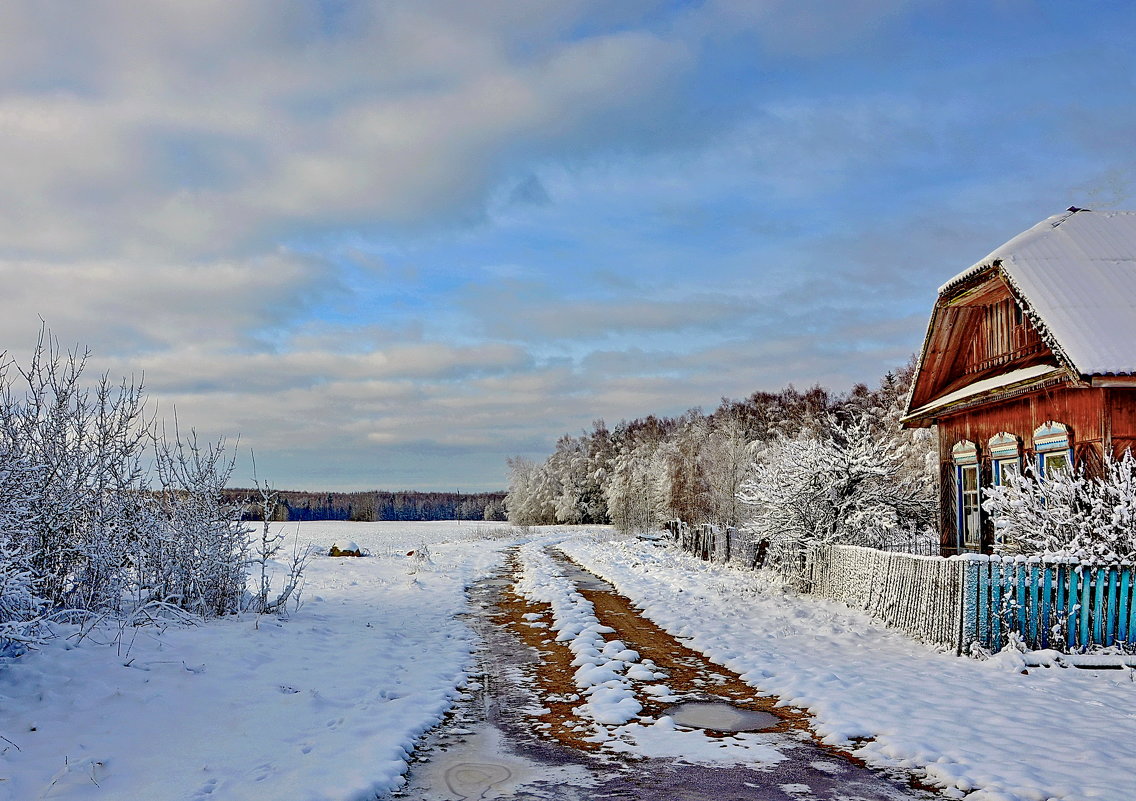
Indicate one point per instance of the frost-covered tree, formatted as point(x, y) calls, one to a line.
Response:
point(727, 455)
point(638, 489)
point(847, 486)
point(1068, 514)
point(529, 501)
point(579, 496)
point(688, 486)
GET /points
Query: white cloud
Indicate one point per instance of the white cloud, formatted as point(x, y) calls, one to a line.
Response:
point(123, 306)
point(192, 128)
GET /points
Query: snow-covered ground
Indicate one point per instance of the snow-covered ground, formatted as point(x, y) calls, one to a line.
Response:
point(983, 730)
point(325, 704)
point(321, 706)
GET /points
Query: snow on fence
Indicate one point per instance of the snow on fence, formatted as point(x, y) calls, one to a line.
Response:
point(920, 595)
point(958, 601)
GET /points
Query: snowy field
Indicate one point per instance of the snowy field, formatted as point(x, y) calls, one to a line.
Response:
point(982, 730)
point(323, 705)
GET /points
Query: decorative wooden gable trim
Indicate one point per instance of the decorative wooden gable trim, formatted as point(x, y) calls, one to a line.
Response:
point(980, 330)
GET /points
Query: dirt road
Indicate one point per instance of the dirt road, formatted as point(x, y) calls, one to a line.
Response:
point(515, 734)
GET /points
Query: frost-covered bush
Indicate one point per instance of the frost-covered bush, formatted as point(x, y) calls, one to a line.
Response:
point(266, 545)
point(1068, 513)
point(847, 486)
point(80, 448)
point(98, 510)
point(198, 556)
point(20, 601)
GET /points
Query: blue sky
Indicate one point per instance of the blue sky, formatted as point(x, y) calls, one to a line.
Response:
point(390, 245)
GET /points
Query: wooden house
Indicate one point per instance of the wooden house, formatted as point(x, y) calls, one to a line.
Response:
point(1030, 363)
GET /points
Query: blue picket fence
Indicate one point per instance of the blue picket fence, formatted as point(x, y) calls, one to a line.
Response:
point(1066, 606)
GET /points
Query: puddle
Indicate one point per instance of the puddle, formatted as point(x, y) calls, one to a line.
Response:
point(720, 716)
point(482, 766)
point(497, 582)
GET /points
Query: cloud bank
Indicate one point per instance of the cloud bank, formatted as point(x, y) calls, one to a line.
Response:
point(392, 244)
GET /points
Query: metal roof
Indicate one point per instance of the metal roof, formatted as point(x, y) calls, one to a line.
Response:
point(1076, 272)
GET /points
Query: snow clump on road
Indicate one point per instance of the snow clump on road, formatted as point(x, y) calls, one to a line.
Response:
point(601, 665)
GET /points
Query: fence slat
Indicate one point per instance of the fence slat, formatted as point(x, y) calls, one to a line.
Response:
point(1086, 606)
point(1035, 606)
point(1110, 620)
point(1047, 605)
point(1123, 606)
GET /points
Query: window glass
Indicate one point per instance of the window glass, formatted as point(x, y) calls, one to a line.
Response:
point(1056, 462)
point(1008, 468)
point(971, 510)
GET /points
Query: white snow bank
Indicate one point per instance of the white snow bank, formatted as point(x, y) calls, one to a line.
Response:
point(981, 729)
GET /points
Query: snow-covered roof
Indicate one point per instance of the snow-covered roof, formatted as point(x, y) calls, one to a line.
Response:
point(1077, 273)
point(1005, 380)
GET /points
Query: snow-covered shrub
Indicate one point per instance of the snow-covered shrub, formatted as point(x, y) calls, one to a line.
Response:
point(20, 601)
point(267, 544)
point(847, 486)
point(198, 557)
point(81, 525)
point(80, 447)
point(1068, 513)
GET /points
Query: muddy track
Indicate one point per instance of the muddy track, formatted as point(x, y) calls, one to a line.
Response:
point(519, 733)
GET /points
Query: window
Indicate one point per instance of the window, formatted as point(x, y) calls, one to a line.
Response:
point(969, 512)
point(1006, 457)
point(1053, 463)
point(1053, 443)
point(971, 509)
point(1004, 469)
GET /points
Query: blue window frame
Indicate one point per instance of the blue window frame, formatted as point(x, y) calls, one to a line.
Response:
point(1006, 457)
point(969, 496)
point(1053, 444)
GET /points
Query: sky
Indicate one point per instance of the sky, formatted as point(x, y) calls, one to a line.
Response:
point(389, 245)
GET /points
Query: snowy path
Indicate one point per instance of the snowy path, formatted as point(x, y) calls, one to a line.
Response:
point(522, 733)
point(980, 730)
point(328, 704)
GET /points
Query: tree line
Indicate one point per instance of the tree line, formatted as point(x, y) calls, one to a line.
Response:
point(379, 505)
point(792, 467)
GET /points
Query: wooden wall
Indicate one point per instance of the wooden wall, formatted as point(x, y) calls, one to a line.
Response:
point(1084, 411)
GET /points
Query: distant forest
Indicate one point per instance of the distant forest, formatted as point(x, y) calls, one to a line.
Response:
point(373, 505)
